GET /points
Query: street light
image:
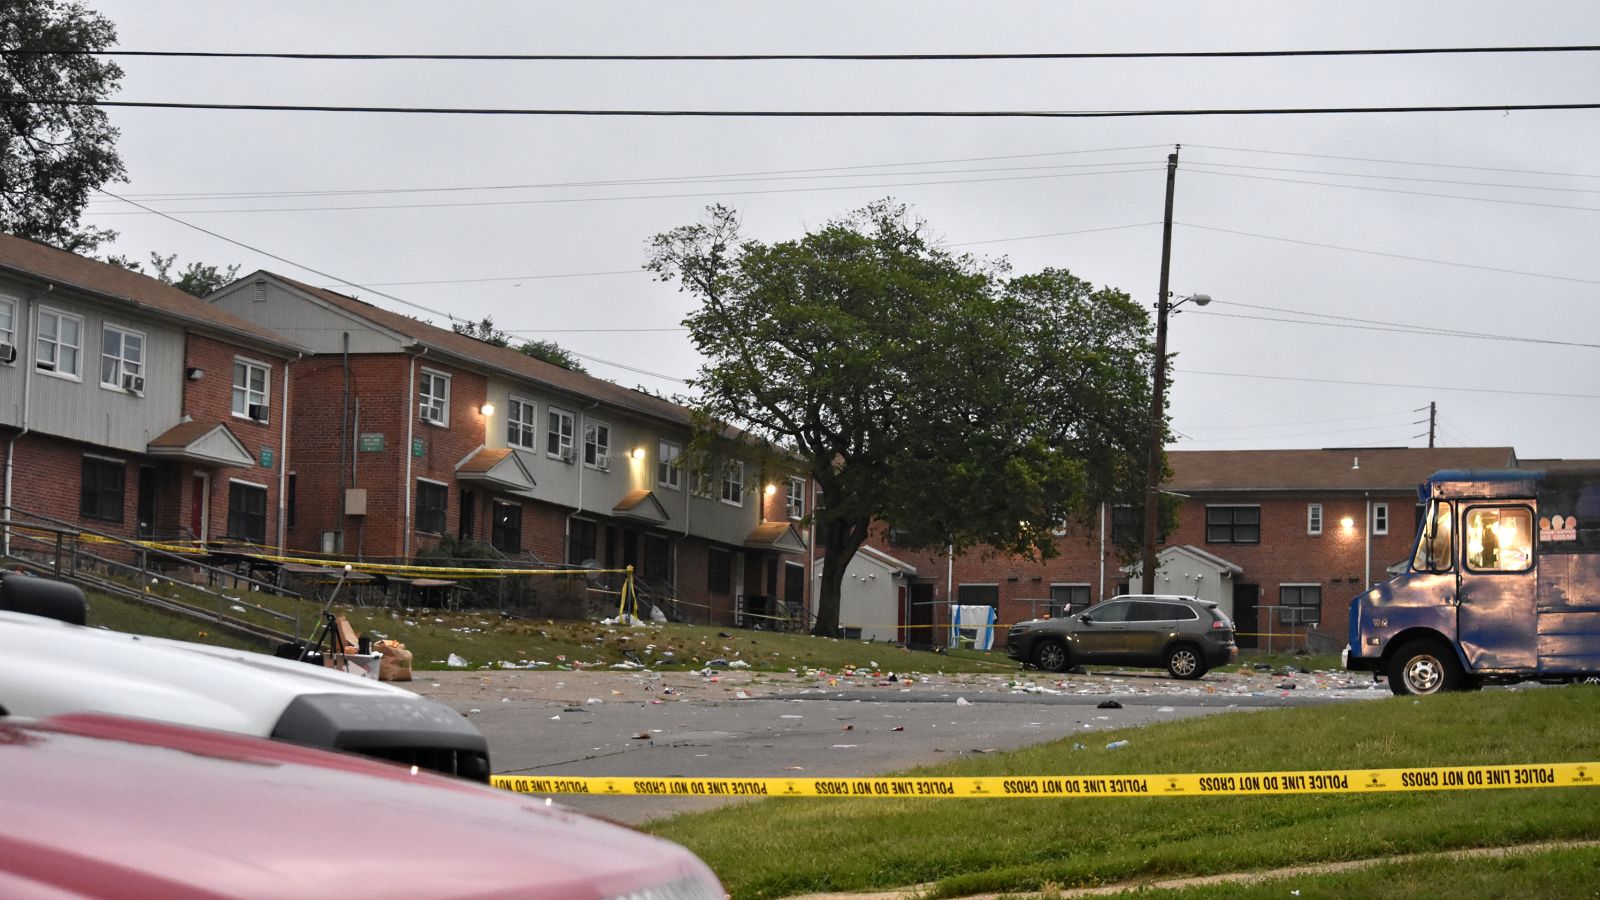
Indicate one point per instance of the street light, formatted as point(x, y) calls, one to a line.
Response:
point(1158, 408)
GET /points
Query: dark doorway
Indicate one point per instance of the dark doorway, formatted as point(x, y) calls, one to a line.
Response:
point(919, 625)
point(147, 502)
point(469, 514)
point(794, 592)
point(1246, 597)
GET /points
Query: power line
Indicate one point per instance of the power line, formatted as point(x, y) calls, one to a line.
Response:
point(1361, 418)
point(500, 278)
point(1383, 190)
point(1377, 177)
point(806, 113)
point(823, 57)
point(1395, 162)
point(1441, 262)
point(1384, 384)
point(1396, 327)
point(724, 193)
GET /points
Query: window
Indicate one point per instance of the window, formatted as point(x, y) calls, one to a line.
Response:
point(433, 403)
point(978, 595)
point(597, 445)
point(1233, 524)
point(581, 541)
point(522, 424)
point(558, 441)
point(1302, 603)
point(1066, 599)
point(668, 473)
point(1111, 612)
point(507, 534)
point(8, 330)
point(704, 484)
point(100, 493)
point(1434, 541)
point(733, 482)
point(122, 359)
point(59, 344)
point(1498, 538)
point(657, 558)
point(432, 498)
point(719, 571)
point(1313, 518)
point(1125, 530)
point(795, 501)
point(1380, 518)
point(247, 511)
point(250, 397)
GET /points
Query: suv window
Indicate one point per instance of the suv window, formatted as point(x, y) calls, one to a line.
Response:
point(1152, 611)
point(1178, 611)
point(1109, 612)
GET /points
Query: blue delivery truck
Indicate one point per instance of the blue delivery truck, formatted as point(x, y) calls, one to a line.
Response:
point(1503, 585)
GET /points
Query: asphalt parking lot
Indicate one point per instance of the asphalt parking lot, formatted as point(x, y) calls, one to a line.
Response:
point(723, 723)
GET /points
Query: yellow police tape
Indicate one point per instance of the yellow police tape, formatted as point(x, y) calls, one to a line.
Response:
point(1350, 781)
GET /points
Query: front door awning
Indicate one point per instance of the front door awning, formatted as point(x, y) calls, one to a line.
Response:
point(204, 443)
point(779, 537)
point(644, 506)
point(500, 470)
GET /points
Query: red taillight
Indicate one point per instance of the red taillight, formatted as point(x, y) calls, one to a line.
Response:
point(1222, 624)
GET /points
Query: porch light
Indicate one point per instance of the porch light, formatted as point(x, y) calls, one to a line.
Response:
point(637, 453)
point(487, 409)
point(771, 489)
point(1347, 523)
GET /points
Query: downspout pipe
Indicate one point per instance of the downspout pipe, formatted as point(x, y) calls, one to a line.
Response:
point(411, 437)
point(27, 384)
point(283, 459)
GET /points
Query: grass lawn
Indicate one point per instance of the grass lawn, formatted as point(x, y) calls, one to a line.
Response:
point(778, 848)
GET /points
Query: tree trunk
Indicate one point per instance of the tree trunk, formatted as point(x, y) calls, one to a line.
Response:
point(841, 540)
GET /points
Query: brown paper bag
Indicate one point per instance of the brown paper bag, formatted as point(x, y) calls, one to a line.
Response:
point(396, 662)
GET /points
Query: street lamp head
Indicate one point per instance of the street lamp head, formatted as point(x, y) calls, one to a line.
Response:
point(1201, 299)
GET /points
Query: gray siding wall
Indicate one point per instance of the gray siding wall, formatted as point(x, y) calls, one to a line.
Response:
point(79, 407)
point(300, 320)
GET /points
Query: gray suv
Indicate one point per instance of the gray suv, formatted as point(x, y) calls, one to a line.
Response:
point(1185, 635)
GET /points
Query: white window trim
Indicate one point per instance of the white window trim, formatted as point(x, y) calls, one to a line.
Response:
point(266, 389)
point(566, 445)
point(793, 499)
point(1380, 513)
point(55, 371)
point(443, 529)
point(531, 424)
point(732, 467)
point(9, 335)
point(674, 479)
point(602, 452)
point(426, 399)
point(122, 361)
point(1314, 518)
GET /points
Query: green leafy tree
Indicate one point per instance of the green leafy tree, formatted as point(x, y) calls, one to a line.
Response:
point(52, 155)
point(549, 351)
point(921, 388)
point(196, 278)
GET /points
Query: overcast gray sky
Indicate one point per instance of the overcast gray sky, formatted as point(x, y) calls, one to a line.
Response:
point(1483, 222)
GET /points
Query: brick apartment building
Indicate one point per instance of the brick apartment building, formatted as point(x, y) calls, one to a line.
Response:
point(406, 434)
point(1282, 539)
point(134, 409)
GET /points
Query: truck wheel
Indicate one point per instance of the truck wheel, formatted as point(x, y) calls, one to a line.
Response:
point(1424, 667)
point(1050, 655)
point(1183, 661)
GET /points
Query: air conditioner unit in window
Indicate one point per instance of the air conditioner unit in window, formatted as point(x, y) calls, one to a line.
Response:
point(257, 411)
point(602, 461)
point(569, 455)
point(133, 384)
point(8, 353)
point(433, 414)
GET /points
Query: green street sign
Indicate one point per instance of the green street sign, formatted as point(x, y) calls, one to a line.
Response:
point(371, 442)
point(266, 457)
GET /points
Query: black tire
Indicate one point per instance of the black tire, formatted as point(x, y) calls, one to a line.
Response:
point(1050, 655)
point(1421, 668)
point(1185, 661)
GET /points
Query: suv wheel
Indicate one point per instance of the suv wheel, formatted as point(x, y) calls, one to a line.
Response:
point(1183, 661)
point(1050, 655)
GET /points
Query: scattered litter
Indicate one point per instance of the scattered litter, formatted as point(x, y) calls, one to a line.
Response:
point(845, 746)
point(627, 665)
point(1078, 746)
point(1116, 745)
point(738, 664)
point(1166, 709)
point(1109, 704)
point(1286, 686)
point(593, 701)
point(237, 608)
point(791, 716)
point(898, 728)
point(457, 661)
point(473, 712)
point(555, 718)
point(572, 709)
point(848, 728)
point(740, 695)
point(642, 736)
point(962, 701)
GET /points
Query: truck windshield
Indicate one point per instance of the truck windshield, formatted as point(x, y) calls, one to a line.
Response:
point(1433, 543)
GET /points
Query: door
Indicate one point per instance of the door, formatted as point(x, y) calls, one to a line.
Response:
point(1496, 621)
point(794, 591)
point(1099, 632)
point(1150, 624)
point(1246, 597)
point(919, 624)
point(147, 502)
point(200, 506)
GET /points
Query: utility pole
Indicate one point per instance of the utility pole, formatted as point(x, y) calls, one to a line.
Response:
point(1158, 398)
point(1433, 421)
